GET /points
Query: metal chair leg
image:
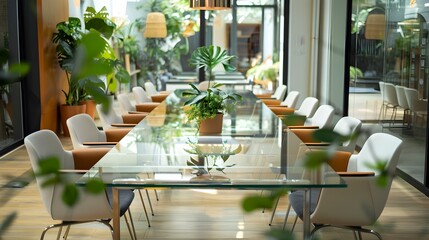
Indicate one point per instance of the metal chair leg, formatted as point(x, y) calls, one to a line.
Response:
point(129, 227)
point(150, 202)
point(287, 216)
point(132, 224)
point(144, 207)
point(156, 195)
point(59, 232)
point(274, 211)
point(66, 234)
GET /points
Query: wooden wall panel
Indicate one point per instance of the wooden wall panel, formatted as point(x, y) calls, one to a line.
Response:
point(52, 78)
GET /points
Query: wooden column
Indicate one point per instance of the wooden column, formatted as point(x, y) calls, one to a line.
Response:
point(52, 78)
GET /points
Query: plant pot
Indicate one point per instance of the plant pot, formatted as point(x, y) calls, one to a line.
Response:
point(211, 126)
point(68, 112)
point(90, 107)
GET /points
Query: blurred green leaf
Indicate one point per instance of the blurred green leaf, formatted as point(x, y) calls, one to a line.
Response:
point(70, 194)
point(294, 120)
point(279, 234)
point(19, 68)
point(315, 159)
point(95, 186)
point(255, 202)
point(50, 165)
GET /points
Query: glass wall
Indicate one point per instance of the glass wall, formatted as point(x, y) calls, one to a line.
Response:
point(11, 129)
point(389, 74)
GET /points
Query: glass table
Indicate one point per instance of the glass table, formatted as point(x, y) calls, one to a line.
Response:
point(254, 151)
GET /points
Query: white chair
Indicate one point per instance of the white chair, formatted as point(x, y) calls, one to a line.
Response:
point(322, 117)
point(391, 100)
point(402, 102)
point(150, 88)
point(291, 99)
point(280, 92)
point(308, 107)
point(85, 134)
point(346, 126)
point(125, 103)
point(89, 207)
point(418, 107)
point(140, 95)
point(363, 200)
point(111, 119)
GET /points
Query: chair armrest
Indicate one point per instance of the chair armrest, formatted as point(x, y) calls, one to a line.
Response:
point(146, 107)
point(303, 127)
point(356, 174)
point(159, 97)
point(281, 110)
point(116, 134)
point(133, 118)
point(136, 112)
point(265, 95)
point(271, 102)
point(98, 143)
point(306, 135)
point(317, 144)
point(85, 158)
point(123, 125)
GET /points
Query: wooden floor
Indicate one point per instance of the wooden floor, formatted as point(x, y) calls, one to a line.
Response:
point(191, 214)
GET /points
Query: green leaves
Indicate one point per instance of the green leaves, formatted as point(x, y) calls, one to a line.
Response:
point(255, 202)
point(209, 57)
point(70, 194)
point(99, 21)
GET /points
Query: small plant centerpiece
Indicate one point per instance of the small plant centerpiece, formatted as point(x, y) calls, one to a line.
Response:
point(207, 107)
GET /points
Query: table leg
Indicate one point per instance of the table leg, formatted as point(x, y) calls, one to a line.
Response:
point(306, 214)
point(116, 223)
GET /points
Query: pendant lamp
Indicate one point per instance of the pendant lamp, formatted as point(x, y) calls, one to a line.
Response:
point(210, 4)
point(155, 26)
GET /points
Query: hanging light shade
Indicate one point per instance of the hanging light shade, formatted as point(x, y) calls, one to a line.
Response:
point(210, 4)
point(155, 26)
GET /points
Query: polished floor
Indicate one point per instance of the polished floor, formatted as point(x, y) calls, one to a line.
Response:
point(191, 214)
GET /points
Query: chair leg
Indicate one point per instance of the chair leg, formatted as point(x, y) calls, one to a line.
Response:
point(150, 202)
point(129, 227)
point(286, 217)
point(274, 211)
point(66, 234)
point(144, 208)
point(59, 232)
point(132, 224)
point(156, 195)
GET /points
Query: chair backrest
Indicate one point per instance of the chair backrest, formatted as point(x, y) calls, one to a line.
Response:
point(412, 96)
point(402, 99)
point(348, 126)
point(308, 107)
point(280, 92)
point(390, 94)
point(381, 84)
point(291, 99)
point(125, 103)
point(322, 117)
point(361, 203)
point(83, 129)
point(43, 144)
point(150, 88)
point(108, 118)
point(140, 95)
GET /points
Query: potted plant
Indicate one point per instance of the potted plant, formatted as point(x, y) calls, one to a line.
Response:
point(207, 107)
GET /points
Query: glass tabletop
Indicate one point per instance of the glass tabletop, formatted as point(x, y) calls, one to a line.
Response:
point(253, 152)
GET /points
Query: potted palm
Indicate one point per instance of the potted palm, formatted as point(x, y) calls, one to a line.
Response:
point(207, 107)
